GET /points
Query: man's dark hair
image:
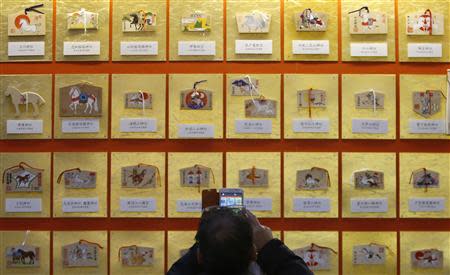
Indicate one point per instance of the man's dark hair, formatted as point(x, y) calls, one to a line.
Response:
point(226, 241)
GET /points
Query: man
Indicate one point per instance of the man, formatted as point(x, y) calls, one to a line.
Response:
point(229, 241)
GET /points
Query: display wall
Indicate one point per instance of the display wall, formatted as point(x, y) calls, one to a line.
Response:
point(338, 131)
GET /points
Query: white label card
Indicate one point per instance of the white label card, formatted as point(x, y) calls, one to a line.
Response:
point(311, 125)
point(26, 48)
point(311, 47)
point(426, 204)
point(258, 204)
point(196, 48)
point(138, 125)
point(263, 126)
point(427, 126)
point(370, 126)
point(253, 46)
point(424, 50)
point(369, 49)
point(80, 205)
point(378, 205)
point(23, 205)
point(189, 206)
point(195, 131)
point(137, 204)
point(80, 125)
point(311, 204)
point(138, 47)
point(24, 126)
point(82, 48)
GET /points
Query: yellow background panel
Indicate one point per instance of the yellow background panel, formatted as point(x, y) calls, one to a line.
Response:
point(410, 162)
point(125, 83)
point(351, 239)
point(358, 83)
point(293, 7)
point(383, 162)
point(182, 82)
point(153, 239)
point(177, 241)
point(119, 160)
point(85, 161)
point(176, 192)
point(268, 161)
point(297, 82)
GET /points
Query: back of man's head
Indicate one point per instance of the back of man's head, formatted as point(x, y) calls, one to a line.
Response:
point(226, 242)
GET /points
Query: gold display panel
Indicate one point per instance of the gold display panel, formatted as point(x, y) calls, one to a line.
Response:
point(155, 85)
point(122, 159)
point(177, 244)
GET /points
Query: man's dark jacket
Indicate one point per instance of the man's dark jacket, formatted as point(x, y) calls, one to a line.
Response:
point(274, 259)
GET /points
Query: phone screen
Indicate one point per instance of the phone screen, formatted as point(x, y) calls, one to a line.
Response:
point(231, 198)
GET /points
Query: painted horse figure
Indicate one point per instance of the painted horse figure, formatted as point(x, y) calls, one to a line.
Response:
point(25, 98)
point(79, 97)
point(20, 255)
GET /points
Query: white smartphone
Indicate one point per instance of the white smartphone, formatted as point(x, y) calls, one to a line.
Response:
point(231, 197)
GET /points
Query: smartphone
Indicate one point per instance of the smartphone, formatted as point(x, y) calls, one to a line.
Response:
point(231, 197)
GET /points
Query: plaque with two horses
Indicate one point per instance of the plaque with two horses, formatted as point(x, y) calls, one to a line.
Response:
point(22, 256)
point(80, 100)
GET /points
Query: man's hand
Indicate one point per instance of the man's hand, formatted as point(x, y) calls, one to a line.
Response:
point(261, 234)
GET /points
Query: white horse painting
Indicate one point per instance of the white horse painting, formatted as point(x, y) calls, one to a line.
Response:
point(255, 22)
point(78, 97)
point(25, 98)
point(25, 26)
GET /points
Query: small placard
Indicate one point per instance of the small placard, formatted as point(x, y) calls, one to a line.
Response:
point(26, 48)
point(253, 46)
point(195, 131)
point(80, 205)
point(258, 204)
point(82, 48)
point(189, 206)
point(369, 126)
point(138, 47)
point(24, 126)
point(137, 204)
point(378, 205)
point(23, 205)
point(262, 126)
point(80, 126)
point(196, 48)
point(311, 47)
point(368, 49)
point(427, 126)
point(311, 205)
point(424, 50)
point(138, 125)
point(311, 125)
point(426, 204)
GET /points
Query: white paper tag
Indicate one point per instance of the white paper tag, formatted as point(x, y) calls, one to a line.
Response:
point(138, 125)
point(263, 126)
point(189, 206)
point(311, 46)
point(426, 204)
point(34, 126)
point(370, 126)
point(368, 49)
point(426, 126)
point(23, 205)
point(196, 47)
point(137, 204)
point(82, 48)
point(378, 205)
point(424, 50)
point(311, 125)
point(80, 125)
point(26, 48)
point(258, 204)
point(195, 131)
point(80, 205)
point(138, 47)
point(253, 46)
point(312, 205)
